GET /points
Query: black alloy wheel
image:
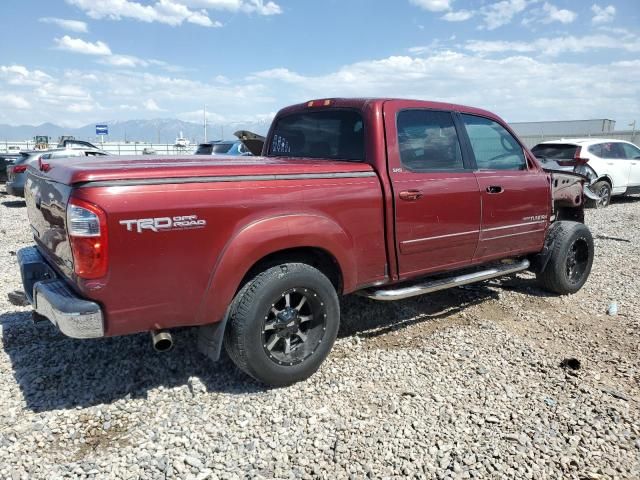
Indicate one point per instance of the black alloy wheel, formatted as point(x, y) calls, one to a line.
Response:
point(294, 327)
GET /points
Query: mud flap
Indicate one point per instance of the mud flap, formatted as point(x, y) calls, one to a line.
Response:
point(540, 260)
point(210, 338)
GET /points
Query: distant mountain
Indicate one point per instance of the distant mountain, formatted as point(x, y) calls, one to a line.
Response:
point(159, 130)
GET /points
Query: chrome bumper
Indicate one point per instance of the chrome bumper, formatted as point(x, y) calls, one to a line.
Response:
point(52, 298)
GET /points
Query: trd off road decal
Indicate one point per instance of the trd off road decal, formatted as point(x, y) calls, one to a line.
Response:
point(161, 224)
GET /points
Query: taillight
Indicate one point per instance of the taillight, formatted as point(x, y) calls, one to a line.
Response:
point(19, 169)
point(578, 159)
point(87, 228)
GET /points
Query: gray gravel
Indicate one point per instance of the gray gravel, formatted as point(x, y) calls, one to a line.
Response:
point(459, 384)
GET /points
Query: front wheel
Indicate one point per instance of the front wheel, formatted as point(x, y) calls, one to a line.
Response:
point(571, 259)
point(283, 324)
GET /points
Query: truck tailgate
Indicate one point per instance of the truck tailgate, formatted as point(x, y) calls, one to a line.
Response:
point(46, 208)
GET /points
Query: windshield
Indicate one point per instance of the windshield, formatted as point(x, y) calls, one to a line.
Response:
point(556, 151)
point(330, 134)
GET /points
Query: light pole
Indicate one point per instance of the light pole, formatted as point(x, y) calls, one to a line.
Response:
point(204, 115)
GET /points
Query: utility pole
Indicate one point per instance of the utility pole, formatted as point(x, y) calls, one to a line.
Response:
point(633, 130)
point(204, 112)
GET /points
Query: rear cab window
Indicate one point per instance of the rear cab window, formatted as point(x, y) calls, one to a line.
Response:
point(336, 134)
point(493, 146)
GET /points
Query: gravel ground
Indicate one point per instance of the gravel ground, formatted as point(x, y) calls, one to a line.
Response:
point(461, 384)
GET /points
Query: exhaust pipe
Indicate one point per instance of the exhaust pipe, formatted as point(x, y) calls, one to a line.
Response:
point(162, 340)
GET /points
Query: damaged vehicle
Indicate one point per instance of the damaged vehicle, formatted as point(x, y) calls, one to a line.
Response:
point(612, 167)
point(383, 198)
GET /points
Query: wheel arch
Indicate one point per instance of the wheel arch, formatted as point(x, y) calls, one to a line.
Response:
point(605, 178)
point(301, 237)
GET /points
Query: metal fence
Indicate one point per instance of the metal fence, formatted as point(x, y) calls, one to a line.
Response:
point(115, 148)
point(140, 148)
point(628, 135)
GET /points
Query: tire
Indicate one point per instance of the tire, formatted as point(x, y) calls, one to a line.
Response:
point(603, 190)
point(570, 260)
point(273, 334)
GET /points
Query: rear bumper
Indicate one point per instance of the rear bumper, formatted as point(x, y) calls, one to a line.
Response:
point(15, 190)
point(52, 298)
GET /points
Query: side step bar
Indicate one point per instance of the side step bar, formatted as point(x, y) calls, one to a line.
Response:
point(388, 294)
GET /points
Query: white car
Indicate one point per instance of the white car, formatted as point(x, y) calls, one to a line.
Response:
point(612, 166)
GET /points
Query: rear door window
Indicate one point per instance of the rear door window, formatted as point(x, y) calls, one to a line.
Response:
point(428, 141)
point(493, 146)
point(329, 134)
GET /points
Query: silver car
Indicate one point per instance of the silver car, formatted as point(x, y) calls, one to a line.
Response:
point(17, 173)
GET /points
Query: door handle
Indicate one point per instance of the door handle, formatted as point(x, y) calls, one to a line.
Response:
point(410, 195)
point(495, 189)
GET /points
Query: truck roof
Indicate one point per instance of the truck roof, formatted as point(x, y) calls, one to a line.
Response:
point(363, 103)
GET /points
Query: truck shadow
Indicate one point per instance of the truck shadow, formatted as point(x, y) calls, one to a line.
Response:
point(625, 199)
point(56, 372)
point(15, 203)
point(370, 318)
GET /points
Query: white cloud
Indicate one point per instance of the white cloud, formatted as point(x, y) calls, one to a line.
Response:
point(493, 15)
point(433, 5)
point(261, 8)
point(545, 91)
point(457, 16)
point(557, 45)
point(501, 13)
point(173, 12)
point(510, 78)
point(71, 25)
point(555, 14)
point(14, 101)
point(246, 6)
point(170, 12)
point(22, 76)
point(126, 61)
point(602, 15)
point(152, 106)
point(77, 45)
point(82, 107)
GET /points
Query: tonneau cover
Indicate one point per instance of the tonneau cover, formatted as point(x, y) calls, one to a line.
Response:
point(99, 169)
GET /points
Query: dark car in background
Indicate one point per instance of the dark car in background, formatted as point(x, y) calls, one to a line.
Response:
point(248, 143)
point(17, 173)
point(223, 147)
point(6, 160)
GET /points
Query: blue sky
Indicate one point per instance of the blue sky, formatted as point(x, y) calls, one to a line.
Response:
point(74, 62)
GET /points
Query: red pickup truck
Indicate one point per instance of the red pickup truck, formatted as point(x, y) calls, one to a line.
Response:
point(387, 198)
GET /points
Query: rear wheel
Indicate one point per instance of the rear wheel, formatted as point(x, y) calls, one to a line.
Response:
point(603, 190)
point(283, 324)
point(571, 259)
